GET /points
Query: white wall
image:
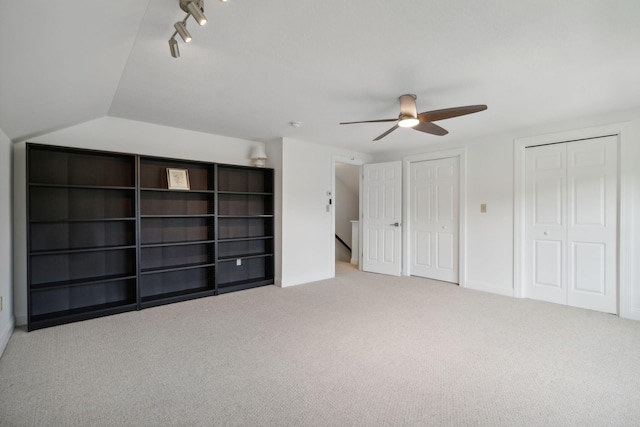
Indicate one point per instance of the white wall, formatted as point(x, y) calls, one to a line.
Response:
point(307, 227)
point(117, 135)
point(306, 224)
point(490, 235)
point(6, 269)
point(128, 136)
point(274, 151)
point(490, 177)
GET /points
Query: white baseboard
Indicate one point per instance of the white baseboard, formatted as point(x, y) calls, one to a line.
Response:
point(5, 334)
point(632, 314)
point(479, 286)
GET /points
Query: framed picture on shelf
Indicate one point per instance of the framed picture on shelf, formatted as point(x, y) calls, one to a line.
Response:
point(178, 179)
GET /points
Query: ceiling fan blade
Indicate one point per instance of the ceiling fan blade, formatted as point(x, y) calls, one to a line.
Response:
point(431, 128)
point(447, 113)
point(370, 121)
point(386, 133)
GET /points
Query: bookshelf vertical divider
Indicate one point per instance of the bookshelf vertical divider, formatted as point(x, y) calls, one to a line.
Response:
point(138, 231)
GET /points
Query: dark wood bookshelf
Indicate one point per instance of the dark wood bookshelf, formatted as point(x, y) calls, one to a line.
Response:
point(106, 234)
point(177, 232)
point(245, 228)
point(81, 234)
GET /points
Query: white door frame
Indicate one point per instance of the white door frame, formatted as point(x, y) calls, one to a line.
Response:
point(624, 220)
point(461, 154)
point(335, 158)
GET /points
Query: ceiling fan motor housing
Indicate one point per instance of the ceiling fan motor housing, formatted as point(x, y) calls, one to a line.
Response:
point(408, 109)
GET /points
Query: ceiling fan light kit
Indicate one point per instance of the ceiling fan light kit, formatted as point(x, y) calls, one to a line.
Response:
point(193, 8)
point(407, 121)
point(409, 117)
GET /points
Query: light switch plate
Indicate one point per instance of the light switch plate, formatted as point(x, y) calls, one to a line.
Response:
point(483, 208)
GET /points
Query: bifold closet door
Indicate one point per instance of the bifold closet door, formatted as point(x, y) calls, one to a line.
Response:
point(571, 223)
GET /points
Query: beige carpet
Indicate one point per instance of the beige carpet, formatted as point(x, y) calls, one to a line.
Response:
point(358, 350)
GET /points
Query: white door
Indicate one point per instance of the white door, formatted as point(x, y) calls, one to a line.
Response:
point(381, 218)
point(545, 219)
point(434, 218)
point(592, 200)
point(571, 223)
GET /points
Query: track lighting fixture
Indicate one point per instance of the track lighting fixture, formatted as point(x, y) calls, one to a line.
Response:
point(193, 8)
point(173, 45)
point(181, 29)
point(196, 10)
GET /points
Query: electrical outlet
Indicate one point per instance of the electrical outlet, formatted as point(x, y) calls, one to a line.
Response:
point(239, 262)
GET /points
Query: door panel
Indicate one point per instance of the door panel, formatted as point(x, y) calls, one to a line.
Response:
point(589, 261)
point(547, 264)
point(382, 210)
point(423, 248)
point(434, 201)
point(446, 245)
point(545, 233)
point(592, 230)
point(548, 197)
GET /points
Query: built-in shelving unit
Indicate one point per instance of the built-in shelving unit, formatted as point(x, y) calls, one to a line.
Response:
point(107, 235)
point(245, 228)
point(177, 239)
point(81, 237)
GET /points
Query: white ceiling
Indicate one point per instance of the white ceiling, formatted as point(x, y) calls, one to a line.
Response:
point(258, 65)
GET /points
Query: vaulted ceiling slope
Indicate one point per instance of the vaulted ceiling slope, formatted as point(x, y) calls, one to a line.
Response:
point(258, 65)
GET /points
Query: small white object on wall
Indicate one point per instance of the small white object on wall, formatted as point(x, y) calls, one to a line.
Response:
point(258, 156)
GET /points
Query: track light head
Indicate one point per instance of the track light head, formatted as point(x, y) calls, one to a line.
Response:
point(173, 46)
point(195, 8)
point(181, 29)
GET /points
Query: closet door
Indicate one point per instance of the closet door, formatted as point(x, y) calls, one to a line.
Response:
point(546, 227)
point(592, 224)
point(434, 211)
point(571, 223)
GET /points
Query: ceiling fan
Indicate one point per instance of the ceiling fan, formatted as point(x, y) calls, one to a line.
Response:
point(409, 117)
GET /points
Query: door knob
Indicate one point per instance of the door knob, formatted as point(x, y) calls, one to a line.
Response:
point(395, 224)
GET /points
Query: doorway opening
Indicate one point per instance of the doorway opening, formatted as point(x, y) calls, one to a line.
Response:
point(346, 199)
